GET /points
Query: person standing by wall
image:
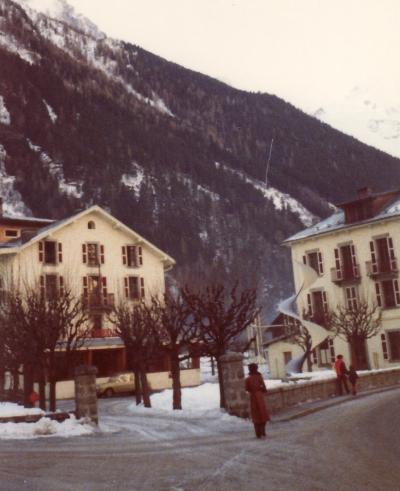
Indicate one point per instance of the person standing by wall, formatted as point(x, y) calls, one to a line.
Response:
point(341, 373)
point(353, 376)
point(255, 386)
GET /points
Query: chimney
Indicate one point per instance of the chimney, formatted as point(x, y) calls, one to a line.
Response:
point(364, 192)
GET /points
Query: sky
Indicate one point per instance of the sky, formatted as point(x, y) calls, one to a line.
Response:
point(305, 51)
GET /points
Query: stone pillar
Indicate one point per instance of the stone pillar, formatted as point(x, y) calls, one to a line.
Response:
point(236, 398)
point(85, 393)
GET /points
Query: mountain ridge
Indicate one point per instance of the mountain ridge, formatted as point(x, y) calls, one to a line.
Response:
point(176, 155)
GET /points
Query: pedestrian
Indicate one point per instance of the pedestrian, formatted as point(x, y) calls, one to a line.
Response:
point(353, 376)
point(255, 386)
point(341, 375)
point(33, 398)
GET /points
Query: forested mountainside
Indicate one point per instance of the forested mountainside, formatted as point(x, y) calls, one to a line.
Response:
point(176, 155)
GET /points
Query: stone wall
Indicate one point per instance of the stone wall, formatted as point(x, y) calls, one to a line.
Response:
point(299, 392)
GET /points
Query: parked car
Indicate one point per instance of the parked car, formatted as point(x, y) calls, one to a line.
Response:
point(123, 383)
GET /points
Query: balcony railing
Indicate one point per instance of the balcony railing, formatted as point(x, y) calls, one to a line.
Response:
point(97, 301)
point(104, 333)
point(341, 276)
point(382, 269)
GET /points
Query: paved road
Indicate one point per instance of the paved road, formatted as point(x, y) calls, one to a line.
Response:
point(351, 447)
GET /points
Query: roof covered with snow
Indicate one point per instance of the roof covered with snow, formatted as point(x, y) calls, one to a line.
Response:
point(337, 222)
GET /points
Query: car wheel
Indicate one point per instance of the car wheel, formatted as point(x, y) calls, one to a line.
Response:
point(109, 393)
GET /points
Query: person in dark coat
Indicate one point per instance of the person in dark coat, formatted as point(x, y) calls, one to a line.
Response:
point(255, 386)
point(353, 379)
point(341, 372)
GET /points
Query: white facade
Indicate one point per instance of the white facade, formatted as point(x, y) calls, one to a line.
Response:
point(355, 260)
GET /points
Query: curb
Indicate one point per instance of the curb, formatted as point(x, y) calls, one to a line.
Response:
point(329, 404)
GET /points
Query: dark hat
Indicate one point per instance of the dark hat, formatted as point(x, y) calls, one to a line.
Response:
point(253, 367)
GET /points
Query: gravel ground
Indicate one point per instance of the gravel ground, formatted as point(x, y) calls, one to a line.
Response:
point(350, 447)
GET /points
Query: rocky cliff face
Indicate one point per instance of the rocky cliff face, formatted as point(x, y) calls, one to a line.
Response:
point(176, 155)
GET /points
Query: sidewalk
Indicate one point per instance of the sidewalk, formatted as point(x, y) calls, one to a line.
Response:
point(307, 408)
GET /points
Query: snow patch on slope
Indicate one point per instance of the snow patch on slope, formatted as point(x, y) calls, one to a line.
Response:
point(13, 46)
point(52, 115)
point(71, 188)
point(12, 200)
point(281, 201)
point(134, 181)
point(4, 114)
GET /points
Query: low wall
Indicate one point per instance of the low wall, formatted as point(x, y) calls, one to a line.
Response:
point(158, 381)
point(298, 392)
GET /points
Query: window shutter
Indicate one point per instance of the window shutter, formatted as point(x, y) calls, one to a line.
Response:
point(356, 273)
point(309, 304)
point(42, 286)
point(84, 254)
point(60, 257)
point(126, 285)
point(101, 254)
point(396, 291)
point(384, 347)
point(325, 302)
point(140, 256)
point(320, 264)
point(124, 255)
point(61, 284)
point(331, 350)
point(339, 275)
point(373, 257)
point(41, 254)
point(85, 287)
point(104, 285)
point(314, 356)
point(393, 262)
point(142, 288)
point(305, 259)
point(378, 294)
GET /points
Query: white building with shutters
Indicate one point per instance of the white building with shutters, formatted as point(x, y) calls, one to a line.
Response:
point(355, 255)
point(101, 259)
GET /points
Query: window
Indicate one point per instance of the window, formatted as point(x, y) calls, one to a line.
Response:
point(317, 304)
point(51, 285)
point(314, 260)
point(383, 259)
point(134, 287)
point(387, 293)
point(326, 352)
point(91, 225)
point(351, 297)
point(93, 254)
point(97, 321)
point(394, 345)
point(287, 356)
point(11, 233)
point(132, 256)
point(50, 252)
point(346, 263)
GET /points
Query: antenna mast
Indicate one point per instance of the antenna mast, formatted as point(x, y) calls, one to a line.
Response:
point(268, 162)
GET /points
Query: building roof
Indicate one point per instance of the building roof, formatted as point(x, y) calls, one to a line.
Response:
point(42, 233)
point(337, 221)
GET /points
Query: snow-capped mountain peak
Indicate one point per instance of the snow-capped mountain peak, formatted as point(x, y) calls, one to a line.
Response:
point(63, 11)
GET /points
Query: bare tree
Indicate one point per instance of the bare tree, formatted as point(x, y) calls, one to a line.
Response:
point(39, 326)
point(298, 334)
point(133, 323)
point(221, 316)
point(177, 336)
point(355, 325)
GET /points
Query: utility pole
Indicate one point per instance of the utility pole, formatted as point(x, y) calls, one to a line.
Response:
point(268, 162)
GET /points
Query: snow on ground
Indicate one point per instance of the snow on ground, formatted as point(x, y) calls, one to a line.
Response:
point(43, 427)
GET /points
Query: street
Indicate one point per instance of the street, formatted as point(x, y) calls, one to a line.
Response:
point(353, 446)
